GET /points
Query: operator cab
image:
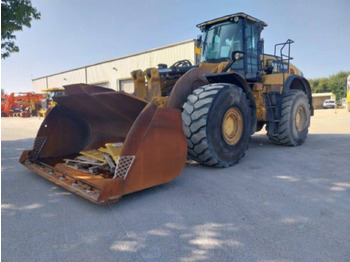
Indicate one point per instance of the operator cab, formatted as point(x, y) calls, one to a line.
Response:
point(239, 33)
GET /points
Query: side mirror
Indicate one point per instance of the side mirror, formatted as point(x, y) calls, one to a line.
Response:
point(199, 41)
point(237, 55)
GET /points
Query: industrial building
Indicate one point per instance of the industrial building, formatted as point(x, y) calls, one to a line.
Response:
point(115, 73)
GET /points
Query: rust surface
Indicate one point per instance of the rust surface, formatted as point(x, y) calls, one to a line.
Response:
point(160, 148)
point(88, 118)
point(96, 189)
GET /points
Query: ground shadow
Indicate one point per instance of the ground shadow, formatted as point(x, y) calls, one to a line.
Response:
point(278, 203)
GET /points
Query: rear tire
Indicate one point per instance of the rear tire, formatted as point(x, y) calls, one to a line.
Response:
point(295, 119)
point(216, 120)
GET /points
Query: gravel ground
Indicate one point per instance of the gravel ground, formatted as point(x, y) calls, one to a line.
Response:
point(277, 204)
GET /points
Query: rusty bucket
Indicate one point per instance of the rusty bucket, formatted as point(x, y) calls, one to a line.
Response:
point(151, 143)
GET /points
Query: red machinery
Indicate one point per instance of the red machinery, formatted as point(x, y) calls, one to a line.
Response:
point(21, 104)
point(3, 101)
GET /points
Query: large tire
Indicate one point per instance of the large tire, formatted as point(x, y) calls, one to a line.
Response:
point(295, 119)
point(203, 115)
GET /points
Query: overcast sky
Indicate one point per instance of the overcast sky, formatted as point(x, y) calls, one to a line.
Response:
point(74, 33)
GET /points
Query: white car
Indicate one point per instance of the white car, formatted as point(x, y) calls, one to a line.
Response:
point(329, 103)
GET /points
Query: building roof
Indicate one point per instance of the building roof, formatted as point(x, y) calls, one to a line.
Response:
point(322, 94)
point(115, 59)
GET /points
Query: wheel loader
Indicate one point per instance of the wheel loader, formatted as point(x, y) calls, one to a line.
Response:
point(49, 103)
point(102, 144)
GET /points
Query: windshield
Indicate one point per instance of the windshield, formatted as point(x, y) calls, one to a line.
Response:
point(220, 40)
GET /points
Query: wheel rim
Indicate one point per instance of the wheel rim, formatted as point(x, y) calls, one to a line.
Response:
point(232, 126)
point(300, 118)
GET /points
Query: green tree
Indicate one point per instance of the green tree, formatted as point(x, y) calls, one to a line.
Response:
point(323, 85)
point(335, 84)
point(15, 14)
point(338, 84)
point(2, 91)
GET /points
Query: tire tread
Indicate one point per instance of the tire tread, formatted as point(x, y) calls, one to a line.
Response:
point(284, 136)
point(196, 110)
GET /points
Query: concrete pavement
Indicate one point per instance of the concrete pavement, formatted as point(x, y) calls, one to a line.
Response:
point(277, 204)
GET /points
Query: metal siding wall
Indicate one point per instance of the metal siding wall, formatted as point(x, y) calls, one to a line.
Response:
point(39, 85)
point(171, 55)
point(73, 77)
point(104, 72)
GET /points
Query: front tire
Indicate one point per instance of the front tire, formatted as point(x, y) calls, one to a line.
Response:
point(216, 120)
point(295, 120)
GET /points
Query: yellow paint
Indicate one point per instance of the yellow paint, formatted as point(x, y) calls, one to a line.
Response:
point(260, 105)
point(114, 150)
point(232, 126)
point(42, 112)
point(138, 77)
point(213, 66)
point(221, 66)
point(197, 50)
point(53, 89)
point(94, 154)
point(292, 68)
point(274, 79)
point(103, 150)
point(160, 101)
point(153, 82)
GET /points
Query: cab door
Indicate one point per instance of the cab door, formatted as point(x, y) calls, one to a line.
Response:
point(252, 53)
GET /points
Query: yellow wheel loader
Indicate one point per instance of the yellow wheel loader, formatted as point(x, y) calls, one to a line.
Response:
point(102, 144)
point(48, 104)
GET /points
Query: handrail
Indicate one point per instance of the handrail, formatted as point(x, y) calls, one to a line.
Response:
point(284, 57)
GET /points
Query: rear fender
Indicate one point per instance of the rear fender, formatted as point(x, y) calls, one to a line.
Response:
point(299, 83)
